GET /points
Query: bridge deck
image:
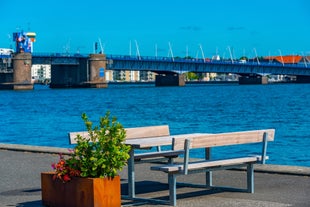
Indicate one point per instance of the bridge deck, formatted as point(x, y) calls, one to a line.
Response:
point(178, 65)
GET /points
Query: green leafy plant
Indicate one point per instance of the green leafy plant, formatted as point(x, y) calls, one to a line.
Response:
point(101, 154)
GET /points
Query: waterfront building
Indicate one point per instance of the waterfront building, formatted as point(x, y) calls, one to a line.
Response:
point(6, 64)
point(5, 59)
point(129, 75)
point(287, 59)
point(147, 76)
point(41, 73)
point(109, 75)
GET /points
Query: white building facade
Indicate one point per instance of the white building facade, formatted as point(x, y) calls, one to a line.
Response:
point(41, 73)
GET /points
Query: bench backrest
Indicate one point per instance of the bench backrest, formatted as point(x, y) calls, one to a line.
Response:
point(149, 131)
point(131, 133)
point(222, 139)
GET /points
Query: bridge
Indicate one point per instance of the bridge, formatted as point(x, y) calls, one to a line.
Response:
point(164, 65)
point(77, 70)
point(180, 65)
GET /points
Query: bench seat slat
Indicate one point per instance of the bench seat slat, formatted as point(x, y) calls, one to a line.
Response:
point(206, 164)
point(169, 153)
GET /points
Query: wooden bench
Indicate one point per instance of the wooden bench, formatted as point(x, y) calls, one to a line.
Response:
point(139, 133)
point(188, 166)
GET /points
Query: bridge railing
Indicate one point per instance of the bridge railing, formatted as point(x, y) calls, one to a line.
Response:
point(208, 61)
point(56, 54)
point(172, 59)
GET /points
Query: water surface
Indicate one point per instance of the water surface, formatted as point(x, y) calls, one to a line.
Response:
point(44, 116)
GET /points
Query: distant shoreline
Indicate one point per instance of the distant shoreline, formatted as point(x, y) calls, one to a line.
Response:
point(194, 82)
point(187, 82)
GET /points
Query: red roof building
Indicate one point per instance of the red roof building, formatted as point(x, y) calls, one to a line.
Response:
point(287, 59)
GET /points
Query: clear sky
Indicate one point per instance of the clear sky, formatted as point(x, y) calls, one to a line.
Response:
point(264, 26)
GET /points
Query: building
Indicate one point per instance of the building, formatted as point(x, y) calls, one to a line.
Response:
point(147, 76)
point(129, 75)
point(41, 73)
point(287, 59)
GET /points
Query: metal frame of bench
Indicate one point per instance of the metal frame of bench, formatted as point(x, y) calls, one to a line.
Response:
point(208, 165)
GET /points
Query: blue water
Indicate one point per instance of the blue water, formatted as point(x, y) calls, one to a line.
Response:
point(44, 116)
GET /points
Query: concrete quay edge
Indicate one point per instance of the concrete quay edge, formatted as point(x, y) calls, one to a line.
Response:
point(35, 149)
point(266, 168)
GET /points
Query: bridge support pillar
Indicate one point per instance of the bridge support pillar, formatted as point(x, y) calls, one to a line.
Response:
point(302, 79)
point(251, 79)
point(170, 80)
point(22, 71)
point(97, 68)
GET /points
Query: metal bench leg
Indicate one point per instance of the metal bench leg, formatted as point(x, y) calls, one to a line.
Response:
point(208, 174)
point(131, 174)
point(250, 178)
point(209, 179)
point(172, 189)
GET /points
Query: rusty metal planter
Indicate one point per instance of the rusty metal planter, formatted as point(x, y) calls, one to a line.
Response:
point(80, 192)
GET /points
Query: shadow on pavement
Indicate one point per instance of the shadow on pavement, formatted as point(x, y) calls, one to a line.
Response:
point(30, 204)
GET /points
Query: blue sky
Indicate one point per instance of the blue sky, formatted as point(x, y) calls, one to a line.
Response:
point(267, 26)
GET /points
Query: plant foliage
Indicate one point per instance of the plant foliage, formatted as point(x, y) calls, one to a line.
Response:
point(103, 153)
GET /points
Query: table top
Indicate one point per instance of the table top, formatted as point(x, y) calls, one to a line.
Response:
point(148, 142)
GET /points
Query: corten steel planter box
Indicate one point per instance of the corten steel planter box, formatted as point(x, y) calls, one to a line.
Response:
point(80, 192)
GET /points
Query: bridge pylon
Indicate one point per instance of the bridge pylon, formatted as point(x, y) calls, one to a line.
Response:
point(97, 68)
point(22, 71)
point(170, 80)
point(302, 79)
point(252, 79)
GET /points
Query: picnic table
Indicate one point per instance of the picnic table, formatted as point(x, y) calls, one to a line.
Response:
point(147, 143)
